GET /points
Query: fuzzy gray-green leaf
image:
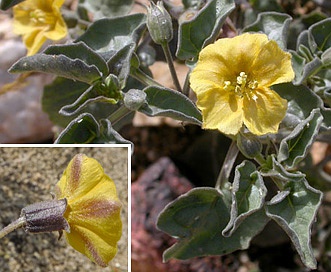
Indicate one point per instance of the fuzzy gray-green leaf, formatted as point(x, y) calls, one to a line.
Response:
point(197, 218)
point(165, 102)
point(248, 193)
point(112, 34)
point(274, 24)
point(76, 62)
point(296, 145)
point(295, 212)
point(202, 29)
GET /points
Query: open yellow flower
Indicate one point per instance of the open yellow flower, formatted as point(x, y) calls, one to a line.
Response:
point(93, 209)
point(232, 80)
point(37, 21)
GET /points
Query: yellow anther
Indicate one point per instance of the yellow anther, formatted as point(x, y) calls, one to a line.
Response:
point(242, 86)
point(253, 84)
point(227, 84)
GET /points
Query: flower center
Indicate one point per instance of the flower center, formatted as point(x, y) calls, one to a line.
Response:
point(242, 87)
point(40, 17)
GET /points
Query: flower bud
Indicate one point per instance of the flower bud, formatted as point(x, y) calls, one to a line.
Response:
point(249, 146)
point(110, 88)
point(159, 23)
point(134, 99)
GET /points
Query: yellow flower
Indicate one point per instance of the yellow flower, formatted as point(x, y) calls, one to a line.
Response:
point(37, 21)
point(93, 209)
point(232, 80)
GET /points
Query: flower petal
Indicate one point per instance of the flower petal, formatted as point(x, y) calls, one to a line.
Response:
point(98, 224)
point(80, 176)
point(264, 114)
point(226, 58)
point(272, 65)
point(39, 18)
point(59, 31)
point(57, 3)
point(91, 245)
point(34, 41)
point(221, 110)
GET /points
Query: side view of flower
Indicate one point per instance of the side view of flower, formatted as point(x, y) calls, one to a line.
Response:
point(37, 21)
point(87, 209)
point(232, 80)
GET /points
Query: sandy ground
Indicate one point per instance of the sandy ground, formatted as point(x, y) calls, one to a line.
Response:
point(28, 175)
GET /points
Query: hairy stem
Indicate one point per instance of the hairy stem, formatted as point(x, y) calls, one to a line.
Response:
point(143, 78)
point(186, 87)
point(167, 53)
point(227, 166)
point(20, 222)
point(117, 115)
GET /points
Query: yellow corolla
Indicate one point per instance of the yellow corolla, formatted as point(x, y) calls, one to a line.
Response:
point(232, 79)
point(93, 209)
point(37, 21)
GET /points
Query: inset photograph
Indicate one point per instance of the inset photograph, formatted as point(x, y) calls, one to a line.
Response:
point(64, 208)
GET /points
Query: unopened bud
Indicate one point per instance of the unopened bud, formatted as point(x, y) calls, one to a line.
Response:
point(249, 146)
point(159, 23)
point(134, 99)
point(110, 88)
point(112, 83)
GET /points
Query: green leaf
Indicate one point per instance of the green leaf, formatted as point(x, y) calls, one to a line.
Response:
point(326, 124)
point(197, 218)
point(314, 46)
point(295, 210)
point(326, 57)
point(62, 92)
point(90, 96)
point(301, 101)
point(327, 96)
point(201, 30)
point(303, 68)
point(319, 37)
point(309, 70)
point(80, 51)
point(195, 4)
point(59, 93)
point(82, 130)
point(277, 171)
point(303, 40)
point(120, 63)
point(170, 103)
point(108, 135)
point(265, 5)
point(107, 8)
point(298, 63)
point(75, 61)
point(248, 194)
point(296, 145)
point(6, 4)
point(111, 35)
point(86, 130)
point(274, 24)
